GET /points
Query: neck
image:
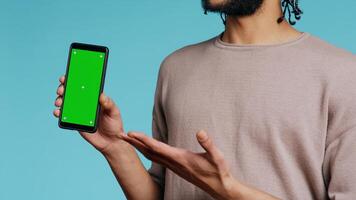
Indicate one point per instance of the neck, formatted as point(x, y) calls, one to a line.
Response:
point(260, 28)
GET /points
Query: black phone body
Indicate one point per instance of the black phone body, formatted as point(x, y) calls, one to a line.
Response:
point(84, 82)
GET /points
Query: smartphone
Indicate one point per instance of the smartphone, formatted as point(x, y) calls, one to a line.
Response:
point(84, 82)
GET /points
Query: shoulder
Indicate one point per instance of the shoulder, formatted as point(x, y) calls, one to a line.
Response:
point(185, 54)
point(336, 65)
point(330, 55)
point(339, 67)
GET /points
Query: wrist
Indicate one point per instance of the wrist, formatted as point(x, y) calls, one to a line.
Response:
point(117, 147)
point(233, 189)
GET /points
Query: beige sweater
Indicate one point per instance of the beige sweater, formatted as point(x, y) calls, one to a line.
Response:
point(284, 115)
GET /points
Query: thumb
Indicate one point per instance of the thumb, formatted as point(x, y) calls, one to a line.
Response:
point(206, 142)
point(108, 106)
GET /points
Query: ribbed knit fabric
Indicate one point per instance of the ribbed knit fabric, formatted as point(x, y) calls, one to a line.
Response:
point(284, 115)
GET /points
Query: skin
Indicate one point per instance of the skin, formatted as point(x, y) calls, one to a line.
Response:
point(121, 156)
point(207, 170)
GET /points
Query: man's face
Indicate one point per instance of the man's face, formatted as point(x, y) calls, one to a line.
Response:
point(237, 8)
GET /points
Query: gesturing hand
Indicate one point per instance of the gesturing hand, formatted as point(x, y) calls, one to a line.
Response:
point(207, 170)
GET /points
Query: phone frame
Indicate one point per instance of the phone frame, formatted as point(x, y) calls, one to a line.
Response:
point(90, 47)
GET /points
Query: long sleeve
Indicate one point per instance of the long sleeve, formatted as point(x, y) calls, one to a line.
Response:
point(159, 126)
point(339, 166)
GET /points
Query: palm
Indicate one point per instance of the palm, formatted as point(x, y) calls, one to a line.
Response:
point(206, 170)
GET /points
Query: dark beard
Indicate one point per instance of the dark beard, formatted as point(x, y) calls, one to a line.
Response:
point(238, 8)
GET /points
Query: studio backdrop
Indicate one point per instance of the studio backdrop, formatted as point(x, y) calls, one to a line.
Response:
point(40, 161)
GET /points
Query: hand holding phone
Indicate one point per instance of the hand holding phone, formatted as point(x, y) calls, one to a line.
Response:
point(108, 136)
point(109, 127)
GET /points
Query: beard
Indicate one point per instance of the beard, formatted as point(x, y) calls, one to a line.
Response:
point(238, 8)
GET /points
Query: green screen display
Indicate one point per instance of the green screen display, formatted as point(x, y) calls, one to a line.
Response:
point(83, 87)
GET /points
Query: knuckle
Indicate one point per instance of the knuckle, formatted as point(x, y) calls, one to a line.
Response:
point(55, 113)
point(60, 89)
point(208, 142)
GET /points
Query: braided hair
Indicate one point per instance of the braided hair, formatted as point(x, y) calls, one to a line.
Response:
point(222, 16)
point(290, 6)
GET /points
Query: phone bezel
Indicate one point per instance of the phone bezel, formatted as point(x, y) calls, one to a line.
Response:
point(90, 47)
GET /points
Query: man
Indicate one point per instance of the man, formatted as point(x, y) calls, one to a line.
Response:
point(273, 109)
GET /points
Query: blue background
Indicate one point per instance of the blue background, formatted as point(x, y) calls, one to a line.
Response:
point(40, 161)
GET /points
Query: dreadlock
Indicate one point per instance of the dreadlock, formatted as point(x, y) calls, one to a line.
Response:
point(223, 18)
point(292, 6)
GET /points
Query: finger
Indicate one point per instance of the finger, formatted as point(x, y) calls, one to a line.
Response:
point(206, 142)
point(149, 154)
point(58, 102)
point(56, 112)
point(90, 137)
point(176, 161)
point(60, 90)
point(62, 79)
point(133, 140)
point(154, 145)
point(108, 106)
point(139, 146)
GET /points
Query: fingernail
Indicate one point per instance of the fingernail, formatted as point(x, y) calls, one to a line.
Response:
point(105, 98)
point(131, 134)
point(201, 135)
point(123, 136)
